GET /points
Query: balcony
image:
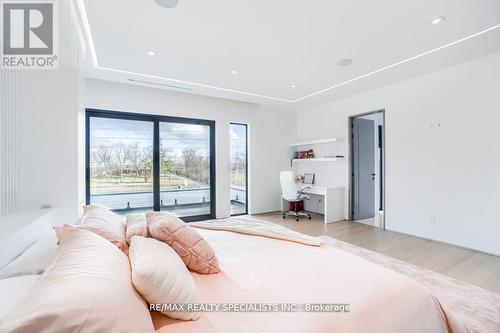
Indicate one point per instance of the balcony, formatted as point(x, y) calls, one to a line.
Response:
point(182, 202)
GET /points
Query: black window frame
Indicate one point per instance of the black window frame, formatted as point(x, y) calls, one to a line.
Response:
point(246, 167)
point(155, 119)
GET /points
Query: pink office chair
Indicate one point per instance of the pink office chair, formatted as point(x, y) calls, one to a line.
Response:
point(292, 194)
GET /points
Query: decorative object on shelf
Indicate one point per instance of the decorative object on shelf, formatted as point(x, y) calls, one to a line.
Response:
point(299, 180)
point(309, 178)
point(303, 154)
point(310, 156)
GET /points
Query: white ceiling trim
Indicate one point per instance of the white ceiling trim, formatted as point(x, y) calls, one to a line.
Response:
point(398, 63)
point(90, 42)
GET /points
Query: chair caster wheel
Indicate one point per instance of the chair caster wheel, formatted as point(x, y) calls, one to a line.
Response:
point(297, 219)
point(309, 217)
point(284, 217)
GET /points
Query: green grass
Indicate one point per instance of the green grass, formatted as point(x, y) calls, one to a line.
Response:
point(238, 177)
point(130, 183)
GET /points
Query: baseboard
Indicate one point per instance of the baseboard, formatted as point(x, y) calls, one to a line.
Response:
point(445, 243)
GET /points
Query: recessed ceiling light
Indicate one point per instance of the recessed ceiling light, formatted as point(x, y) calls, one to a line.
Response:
point(234, 72)
point(345, 62)
point(151, 53)
point(294, 85)
point(167, 3)
point(438, 20)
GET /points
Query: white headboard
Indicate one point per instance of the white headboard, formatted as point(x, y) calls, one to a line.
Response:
point(20, 230)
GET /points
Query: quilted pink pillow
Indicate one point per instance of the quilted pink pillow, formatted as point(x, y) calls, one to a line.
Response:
point(189, 245)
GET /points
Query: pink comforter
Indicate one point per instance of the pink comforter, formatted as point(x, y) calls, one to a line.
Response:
point(263, 270)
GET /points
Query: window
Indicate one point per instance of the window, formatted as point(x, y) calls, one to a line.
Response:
point(141, 162)
point(239, 169)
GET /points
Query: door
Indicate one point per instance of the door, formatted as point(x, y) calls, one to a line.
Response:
point(185, 180)
point(120, 173)
point(363, 164)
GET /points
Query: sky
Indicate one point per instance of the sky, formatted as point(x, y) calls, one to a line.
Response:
point(175, 136)
point(238, 137)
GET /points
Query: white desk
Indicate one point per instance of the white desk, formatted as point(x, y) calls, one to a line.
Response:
point(333, 201)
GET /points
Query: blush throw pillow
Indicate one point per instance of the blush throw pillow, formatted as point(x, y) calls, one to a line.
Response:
point(106, 224)
point(88, 288)
point(160, 276)
point(194, 251)
point(136, 226)
point(13, 291)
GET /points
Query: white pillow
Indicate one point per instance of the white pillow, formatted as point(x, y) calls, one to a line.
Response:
point(13, 291)
point(106, 224)
point(21, 231)
point(136, 226)
point(160, 276)
point(87, 288)
point(35, 260)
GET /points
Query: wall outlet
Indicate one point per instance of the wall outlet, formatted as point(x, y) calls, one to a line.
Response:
point(437, 125)
point(432, 221)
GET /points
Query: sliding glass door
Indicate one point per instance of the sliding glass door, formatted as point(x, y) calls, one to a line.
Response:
point(185, 168)
point(239, 169)
point(121, 152)
point(139, 162)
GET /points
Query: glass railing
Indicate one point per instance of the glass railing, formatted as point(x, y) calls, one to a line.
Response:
point(194, 201)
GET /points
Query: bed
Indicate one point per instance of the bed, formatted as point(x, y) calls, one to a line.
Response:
point(256, 269)
point(263, 270)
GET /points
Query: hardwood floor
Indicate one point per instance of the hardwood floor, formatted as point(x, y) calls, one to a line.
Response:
point(470, 266)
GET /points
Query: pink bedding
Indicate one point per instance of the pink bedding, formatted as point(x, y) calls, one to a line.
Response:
point(262, 270)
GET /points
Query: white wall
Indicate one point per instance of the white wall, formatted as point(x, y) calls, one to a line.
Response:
point(10, 138)
point(270, 132)
point(42, 118)
point(443, 183)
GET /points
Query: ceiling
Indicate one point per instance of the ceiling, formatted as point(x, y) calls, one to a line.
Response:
point(286, 53)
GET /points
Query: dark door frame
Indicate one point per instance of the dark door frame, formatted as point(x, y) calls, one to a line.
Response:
point(246, 166)
point(155, 119)
point(382, 176)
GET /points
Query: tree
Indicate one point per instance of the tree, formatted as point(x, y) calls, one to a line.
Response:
point(147, 162)
point(134, 154)
point(102, 156)
point(191, 162)
point(196, 166)
point(121, 157)
point(167, 164)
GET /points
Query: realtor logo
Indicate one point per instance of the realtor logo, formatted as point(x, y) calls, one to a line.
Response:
point(29, 34)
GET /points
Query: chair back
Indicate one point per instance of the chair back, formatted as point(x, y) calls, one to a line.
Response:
point(289, 189)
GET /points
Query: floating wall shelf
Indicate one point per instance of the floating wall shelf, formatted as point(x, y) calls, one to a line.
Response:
point(316, 142)
point(319, 159)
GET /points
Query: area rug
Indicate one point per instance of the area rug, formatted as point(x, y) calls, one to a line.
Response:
point(478, 308)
